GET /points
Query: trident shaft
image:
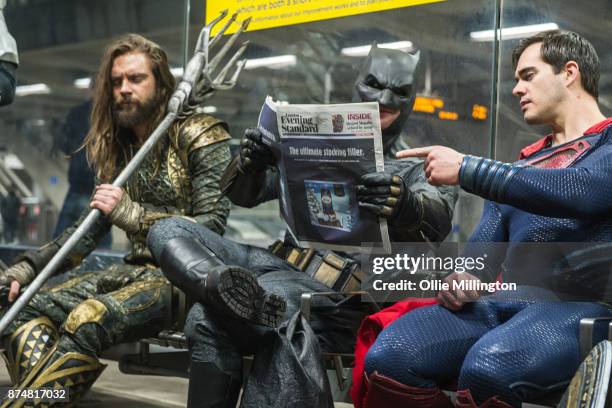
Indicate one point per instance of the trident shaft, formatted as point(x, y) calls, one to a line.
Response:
point(198, 82)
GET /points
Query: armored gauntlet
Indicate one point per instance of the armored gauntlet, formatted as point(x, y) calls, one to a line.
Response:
point(386, 196)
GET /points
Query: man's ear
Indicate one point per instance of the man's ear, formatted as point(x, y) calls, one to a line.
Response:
point(572, 73)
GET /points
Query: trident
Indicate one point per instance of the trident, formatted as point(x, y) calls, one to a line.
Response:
point(198, 82)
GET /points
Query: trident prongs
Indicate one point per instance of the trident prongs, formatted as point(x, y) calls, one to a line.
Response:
point(226, 47)
point(202, 46)
point(198, 80)
point(239, 67)
point(222, 15)
point(220, 79)
point(221, 32)
point(185, 100)
point(202, 49)
point(232, 82)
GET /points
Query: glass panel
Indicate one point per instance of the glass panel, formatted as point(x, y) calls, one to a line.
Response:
point(454, 81)
point(512, 132)
point(60, 46)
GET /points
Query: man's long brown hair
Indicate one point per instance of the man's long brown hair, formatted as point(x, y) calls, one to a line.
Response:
point(103, 143)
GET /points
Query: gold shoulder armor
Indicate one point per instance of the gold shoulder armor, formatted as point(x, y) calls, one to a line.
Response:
point(200, 130)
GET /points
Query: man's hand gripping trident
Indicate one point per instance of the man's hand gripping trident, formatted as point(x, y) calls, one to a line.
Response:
point(200, 79)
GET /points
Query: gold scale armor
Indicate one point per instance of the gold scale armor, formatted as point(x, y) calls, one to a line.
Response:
point(125, 302)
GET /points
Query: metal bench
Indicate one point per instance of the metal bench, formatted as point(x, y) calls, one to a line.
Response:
point(166, 354)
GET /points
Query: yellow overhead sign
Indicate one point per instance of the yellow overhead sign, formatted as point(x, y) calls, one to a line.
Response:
point(427, 104)
point(277, 13)
point(479, 112)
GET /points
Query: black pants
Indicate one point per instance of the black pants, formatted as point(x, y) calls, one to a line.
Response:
point(214, 338)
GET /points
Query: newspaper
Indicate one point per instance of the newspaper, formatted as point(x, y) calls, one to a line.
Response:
point(322, 152)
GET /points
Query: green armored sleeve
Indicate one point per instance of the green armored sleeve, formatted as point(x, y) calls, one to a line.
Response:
point(201, 144)
point(206, 166)
point(39, 258)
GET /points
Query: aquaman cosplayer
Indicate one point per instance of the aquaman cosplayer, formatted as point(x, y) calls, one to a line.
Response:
point(56, 339)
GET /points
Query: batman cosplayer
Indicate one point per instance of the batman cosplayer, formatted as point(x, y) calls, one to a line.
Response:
point(8, 61)
point(387, 77)
point(193, 258)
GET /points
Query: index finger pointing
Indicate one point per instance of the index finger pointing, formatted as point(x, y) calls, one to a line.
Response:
point(417, 152)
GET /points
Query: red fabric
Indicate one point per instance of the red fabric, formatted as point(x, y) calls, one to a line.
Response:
point(384, 392)
point(465, 400)
point(535, 147)
point(546, 141)
point(370, 327)
point(374, 324)
point(599, 127)
point(562, 157)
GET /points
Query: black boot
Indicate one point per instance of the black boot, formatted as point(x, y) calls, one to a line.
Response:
point(232, 290)
point(209, 387)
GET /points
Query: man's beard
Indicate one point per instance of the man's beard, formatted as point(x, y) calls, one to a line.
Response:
point(129, 113)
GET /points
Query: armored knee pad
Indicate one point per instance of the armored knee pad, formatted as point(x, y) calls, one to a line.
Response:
point(136, 311)
point(28, 346)
point(63, 368)
point(73, 373)
point(90, 311)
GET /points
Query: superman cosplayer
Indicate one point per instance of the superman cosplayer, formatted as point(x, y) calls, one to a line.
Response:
point(511, 346)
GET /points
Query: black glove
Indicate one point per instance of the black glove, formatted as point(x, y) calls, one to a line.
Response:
point(386, 196)
point(254, 154)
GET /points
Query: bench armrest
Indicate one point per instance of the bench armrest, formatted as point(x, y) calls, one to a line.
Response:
point(306, 300)
point(587, 327)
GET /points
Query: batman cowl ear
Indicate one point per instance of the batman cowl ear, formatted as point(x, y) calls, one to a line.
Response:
point(416, 57)
point(373, 49)
point(366, 64)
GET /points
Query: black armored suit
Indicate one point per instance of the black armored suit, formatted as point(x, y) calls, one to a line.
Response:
point(415, 210)
point(54, 342)
point(218, 341)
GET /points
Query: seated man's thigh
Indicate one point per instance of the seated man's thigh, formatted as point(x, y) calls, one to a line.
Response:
point(228, 251)
point(133, 312)
point(427, 345)
point(56, 302)
point(168, 229)
point(291, 284)
point(537, 350)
